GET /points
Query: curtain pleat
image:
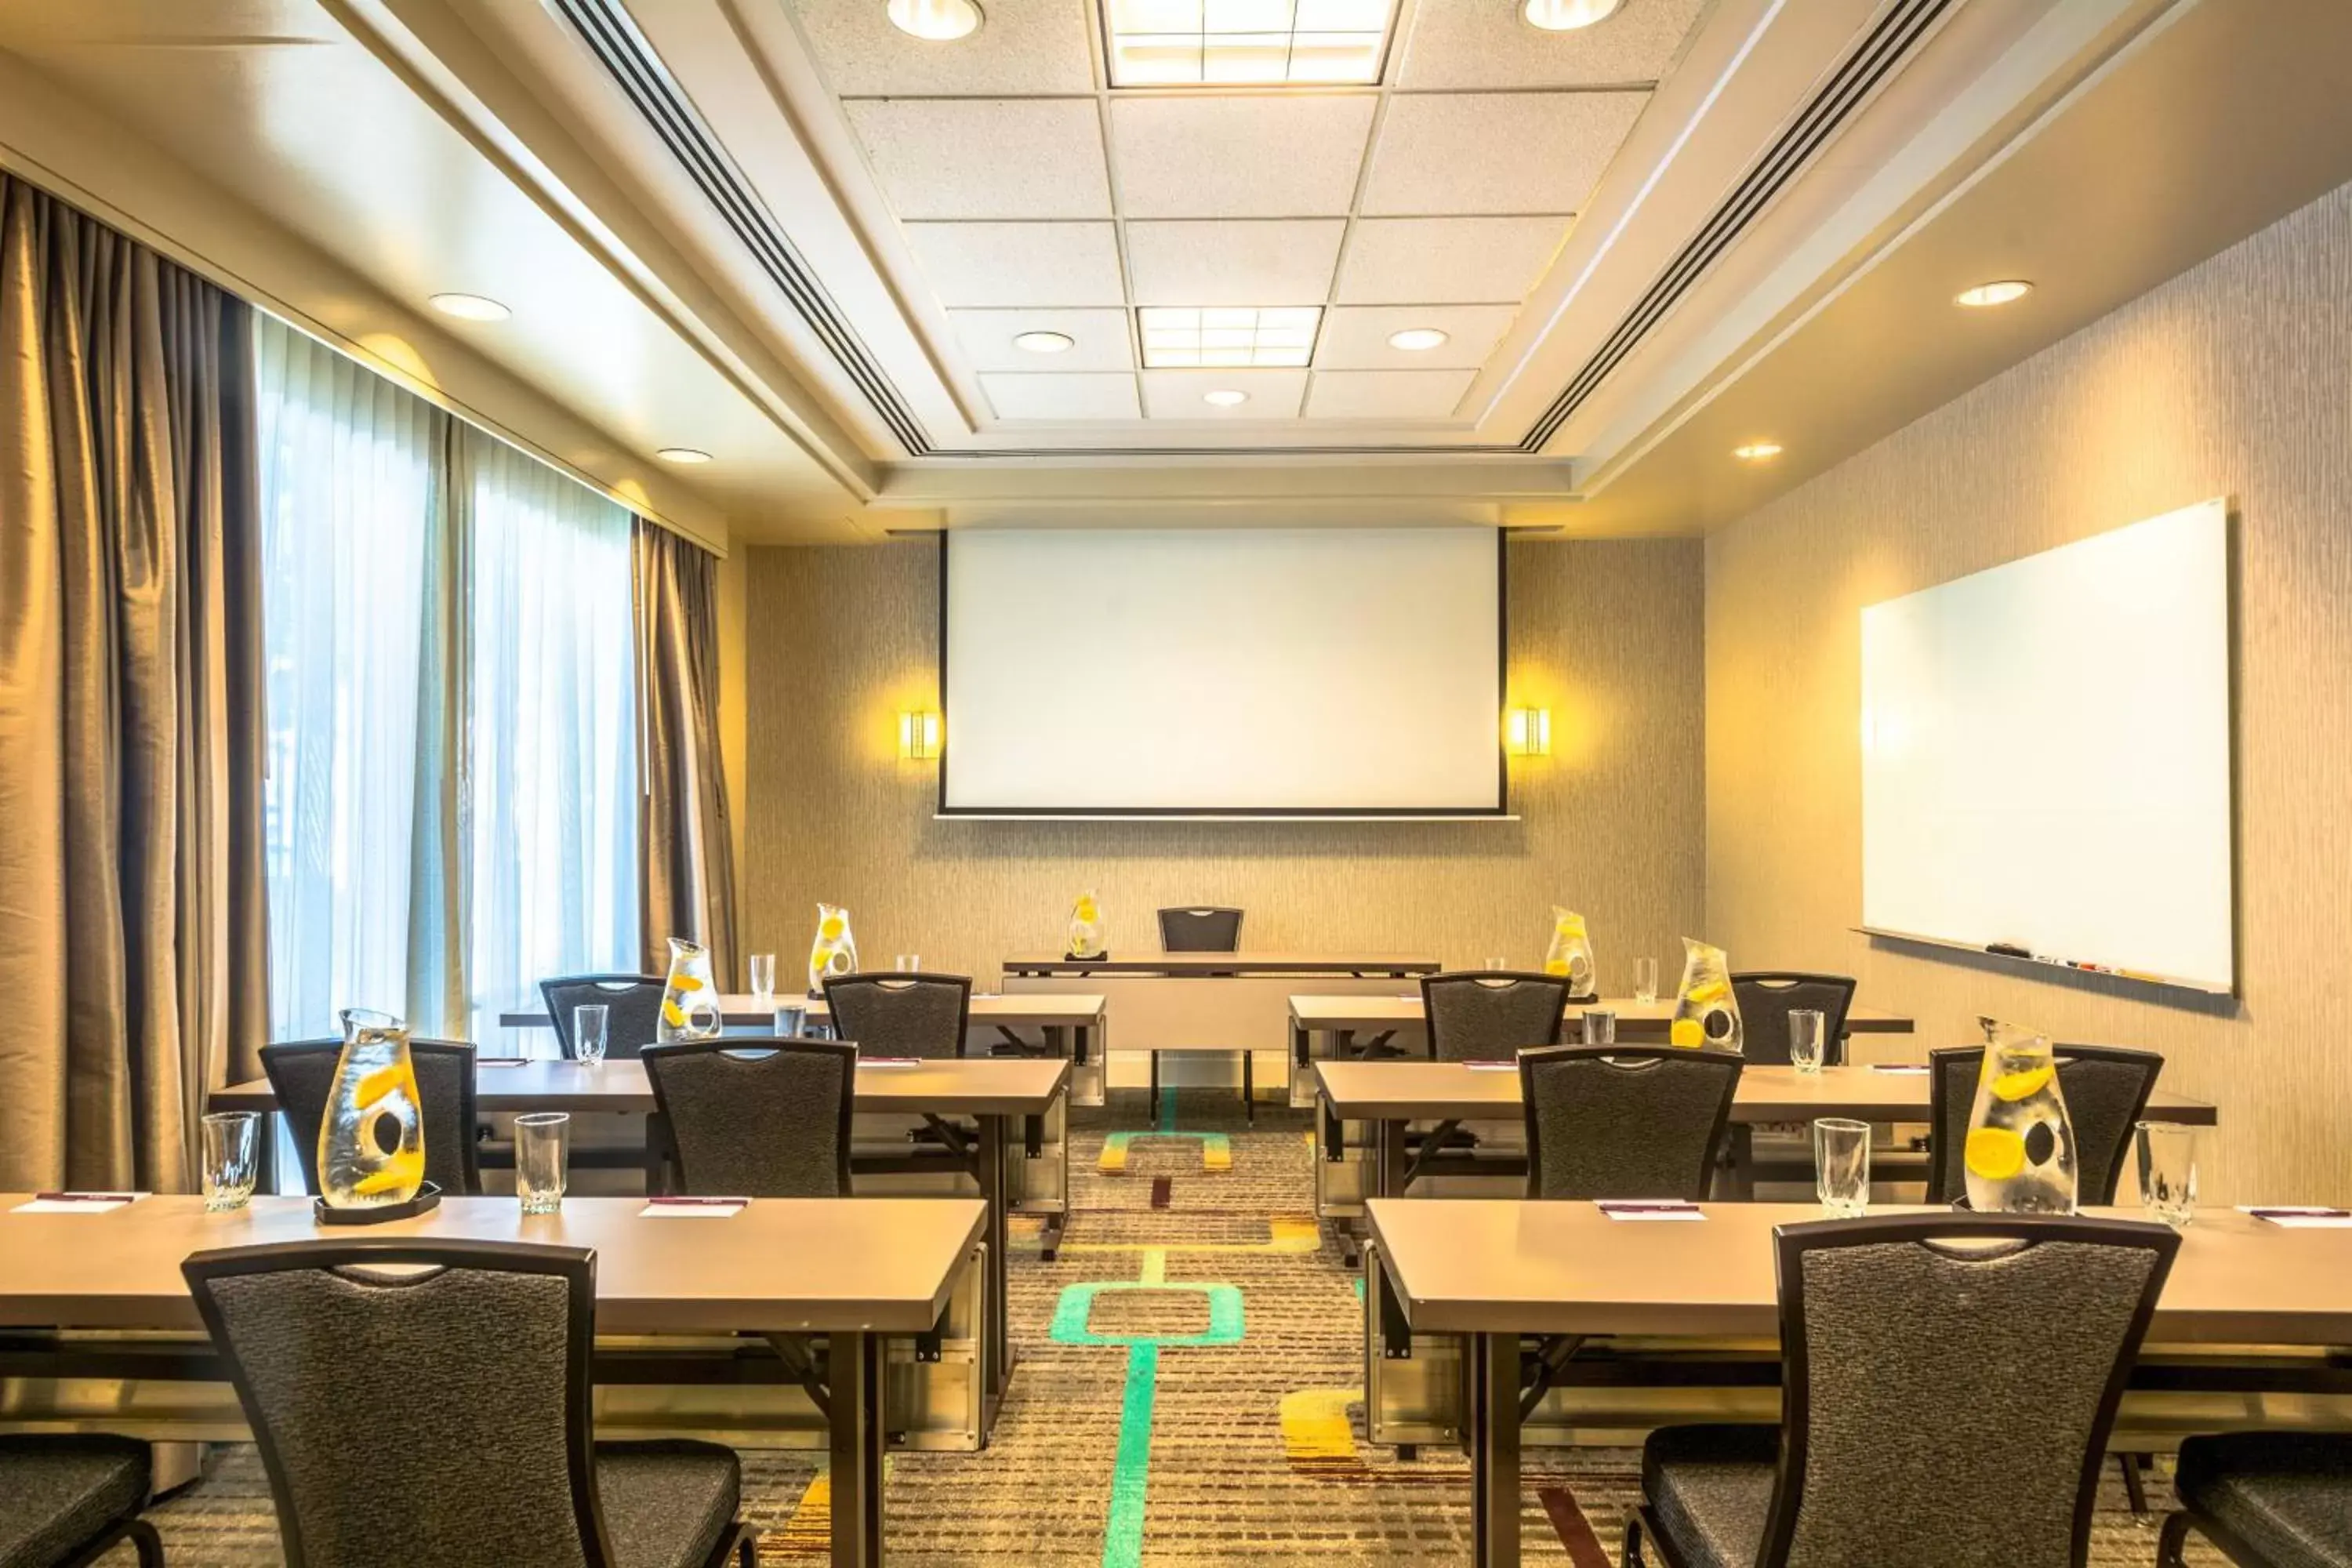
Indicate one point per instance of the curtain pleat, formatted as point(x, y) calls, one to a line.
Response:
point(132, 937)
point(686, 876)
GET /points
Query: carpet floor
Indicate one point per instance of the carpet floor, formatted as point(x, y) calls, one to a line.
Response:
point(1197, 1407)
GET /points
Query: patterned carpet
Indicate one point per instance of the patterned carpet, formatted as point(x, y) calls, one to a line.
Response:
point(1224, 1436)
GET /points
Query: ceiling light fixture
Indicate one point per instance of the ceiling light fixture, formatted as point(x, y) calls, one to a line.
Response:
point(1180, 337)
point(683, 455)
point(470, 307)
point(1999, 293)
point(1044, 343)
point(936, 21)
point(1224, 397)
point(1417, 340)
point(1566, 16)
point(1181, 43)
point(1757, 452)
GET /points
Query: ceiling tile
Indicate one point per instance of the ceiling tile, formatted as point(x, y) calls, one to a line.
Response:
point(1098, 340)
point(1447, 260)
point(1024, 46)
point(1387, 394)
point(1492, 46)
point(1178, 393)
point(1059, 396)
point(1244, 262)
point(1239, 157)
point(985, 157)
point(1495, 153)
point(1065, 264)
point(1357, 338)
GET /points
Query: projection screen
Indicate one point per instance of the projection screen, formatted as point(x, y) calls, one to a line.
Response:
point(1223, 672)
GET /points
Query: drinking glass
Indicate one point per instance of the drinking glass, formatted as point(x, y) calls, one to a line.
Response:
point(591, 1026)
point(1645, 980)
point(542, 1153)
point(908, 963)
point(1807, 1032)
point(1600, 1027)
point(792, 1021)
point(232, 1156)
point(2167, 1170)
point(1495, 963)
point(764, 980)
point(1842, 1166)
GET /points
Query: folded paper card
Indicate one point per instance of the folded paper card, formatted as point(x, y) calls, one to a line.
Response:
point(1664, 1208)
point(77, 1203)
point(693, 1208)
point(2300, 1216)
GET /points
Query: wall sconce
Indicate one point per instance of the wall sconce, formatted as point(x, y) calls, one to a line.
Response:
point(1526, 732)
point(918, 736)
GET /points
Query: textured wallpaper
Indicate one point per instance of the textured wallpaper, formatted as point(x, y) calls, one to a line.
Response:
point(1606, 635)
point(2233, 379)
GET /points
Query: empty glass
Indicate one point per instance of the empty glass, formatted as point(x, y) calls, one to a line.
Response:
point(591, 1026)
point(1808, 1040)
point(908, 963)
point(2167, 1170)
point(232, 1158)
point(1600, 1027)
point(1645, 980)
point(1842, 1166)
point(763, 979)
point(792, 1021)
point(542, 1157)
point(1495, 963)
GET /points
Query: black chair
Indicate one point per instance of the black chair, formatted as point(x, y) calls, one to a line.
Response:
point(1209, 928)
point(633, 1021)
point(444, 1416)
point(1767, 998)
point(744, 1117)
point(2106, 1089)
point(303, 1074)
point(923, 1016)
point(67, 1501)
point(1490, 1014)
point(1915, 1427)
point(2268, 1499)
point(1625, 1122)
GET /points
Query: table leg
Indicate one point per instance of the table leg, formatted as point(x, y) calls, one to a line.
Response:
point(1494, 1382)
point(1249, 1087)
point(1739, 1183)
point(996, 1337)
point(656, 1155)
point(855, 1362)
point(1154, 1104)
point(265, 1156)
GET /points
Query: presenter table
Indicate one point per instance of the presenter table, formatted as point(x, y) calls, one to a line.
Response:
point(92, 1292)
point(1220, 1003)
point(1491, 1270)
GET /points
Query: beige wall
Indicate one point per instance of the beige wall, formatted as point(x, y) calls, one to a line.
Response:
point(1607, 634)
point(2234, 379)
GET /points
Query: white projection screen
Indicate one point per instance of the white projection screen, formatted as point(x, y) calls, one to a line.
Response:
point(1227, 671)
point(2046, 755)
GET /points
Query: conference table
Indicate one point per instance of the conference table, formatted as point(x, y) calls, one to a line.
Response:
point(1208, 1003)
point(1071, 1025)
point(1492, 1270)
point(994, 1092)
point(85, 1296)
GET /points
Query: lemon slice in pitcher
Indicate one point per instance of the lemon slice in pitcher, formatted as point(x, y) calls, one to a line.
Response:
point(1995, 1153)
point(2015, 1085)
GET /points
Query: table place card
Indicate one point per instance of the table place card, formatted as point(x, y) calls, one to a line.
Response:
point(502, 1061)
point(78, 1202)
point(890, 1061)
point(693, 1208)
point(1665, 1208)
point(1511, 1066)
point(1909, 1070)
point(2300, 1216)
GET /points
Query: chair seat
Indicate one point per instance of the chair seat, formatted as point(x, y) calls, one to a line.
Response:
point(2287, 1495)
point(1710, 1489)
point(666, 1504)
point(59, 1493)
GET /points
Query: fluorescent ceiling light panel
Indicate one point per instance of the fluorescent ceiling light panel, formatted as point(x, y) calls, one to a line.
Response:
point(1175, 43)
point(1182, 338)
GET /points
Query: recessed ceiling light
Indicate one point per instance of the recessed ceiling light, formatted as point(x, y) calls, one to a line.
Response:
point(1757, 452)
point(683, 455)
point(470, 307)
point(1416, 340)
point(1224, 397)
point(1566, 16)
point(1181, 43)
point(936, 21)
point(1999, 293)
point(1044, 343)
point(1181, 337)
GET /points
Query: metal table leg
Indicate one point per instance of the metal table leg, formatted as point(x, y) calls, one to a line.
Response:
point(855, 1361)
point(995, 1190)
point(1738, 1178)
point(1493, 1368)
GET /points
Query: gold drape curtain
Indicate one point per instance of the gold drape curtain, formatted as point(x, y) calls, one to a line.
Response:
point(133, 946)
point(686, 877)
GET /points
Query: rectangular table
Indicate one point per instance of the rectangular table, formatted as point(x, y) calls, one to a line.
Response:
point(993, 1092)
point(1213, 1002)
point(853, 1270)
point(1495, 1269)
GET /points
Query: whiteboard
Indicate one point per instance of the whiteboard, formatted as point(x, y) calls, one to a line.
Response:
point(1227, 671)
point(2046, 755)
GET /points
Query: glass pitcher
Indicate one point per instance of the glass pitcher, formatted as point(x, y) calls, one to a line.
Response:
point(1086, 937)
point(1706, 1012)
point(1570, 952)
point(2019, 1156)
point(372, 1139)
point(689, 1009)
point(833, 954)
